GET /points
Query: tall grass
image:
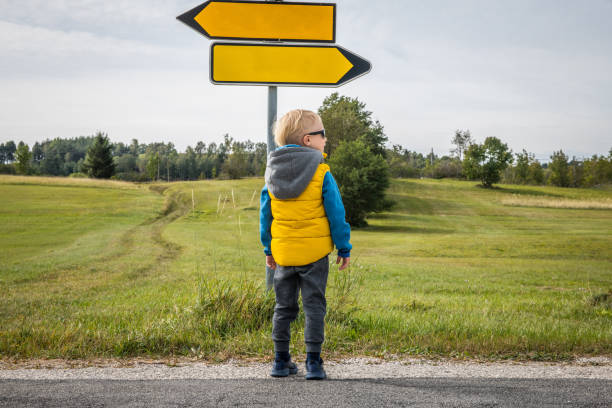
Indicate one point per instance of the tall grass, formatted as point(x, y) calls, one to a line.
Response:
point(226, 308)
point(522, 200)
point(65, 181)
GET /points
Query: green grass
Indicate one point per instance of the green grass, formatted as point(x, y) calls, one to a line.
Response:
point(113, 269)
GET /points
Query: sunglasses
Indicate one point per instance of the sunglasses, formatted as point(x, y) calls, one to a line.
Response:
point(318, 132)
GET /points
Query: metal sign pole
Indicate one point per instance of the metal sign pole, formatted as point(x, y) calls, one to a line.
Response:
point(272, 108)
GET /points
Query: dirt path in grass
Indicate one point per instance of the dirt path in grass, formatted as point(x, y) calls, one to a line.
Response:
point(152, 230)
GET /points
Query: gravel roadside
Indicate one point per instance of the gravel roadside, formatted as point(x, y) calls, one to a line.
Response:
point(354, 368)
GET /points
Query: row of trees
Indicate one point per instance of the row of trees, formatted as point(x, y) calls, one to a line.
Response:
point(235, 159)
point(96, 156)
point(492, 162)
point(561, 171)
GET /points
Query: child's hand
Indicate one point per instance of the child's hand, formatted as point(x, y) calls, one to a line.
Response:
point(345, 262)
point(270, 261)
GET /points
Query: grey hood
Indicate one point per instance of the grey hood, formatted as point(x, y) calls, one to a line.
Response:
point(290, 170)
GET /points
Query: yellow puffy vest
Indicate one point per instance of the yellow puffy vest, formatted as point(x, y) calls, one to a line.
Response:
point(300, 229)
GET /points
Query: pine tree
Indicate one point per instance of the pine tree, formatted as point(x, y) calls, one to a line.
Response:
point(99, 160)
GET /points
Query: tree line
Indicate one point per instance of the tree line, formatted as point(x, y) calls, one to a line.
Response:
point(492, 162)
point(96, 156)
point(346, 121)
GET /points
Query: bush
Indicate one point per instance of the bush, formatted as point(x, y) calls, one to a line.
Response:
point(362, 178)
point(131, 176)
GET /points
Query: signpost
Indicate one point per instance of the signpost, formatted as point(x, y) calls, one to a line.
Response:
point(273, 62)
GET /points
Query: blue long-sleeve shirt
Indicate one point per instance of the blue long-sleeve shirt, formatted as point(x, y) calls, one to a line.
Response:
point(332, 202)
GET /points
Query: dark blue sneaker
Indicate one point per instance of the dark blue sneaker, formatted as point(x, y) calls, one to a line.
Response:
point(281, 368)
point(314, 370)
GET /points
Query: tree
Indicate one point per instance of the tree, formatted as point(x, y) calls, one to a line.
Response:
point(236, 166)
point(598, 170)
point(362, 177)
point(191, 170)
point(346, 119)
point(37, 153)
point(134, 148)
point(257, 165)
point(559, 169)
point(462, 139)
point(522, 166)
point(119, 149)
point(576, 172)
point(485, 162)
point(99, 160)
point(404, 163)
point(8, 151)
point(153, 166)
point(200, 147)
point(536, 173)
point(126, 163)
point(22, 158)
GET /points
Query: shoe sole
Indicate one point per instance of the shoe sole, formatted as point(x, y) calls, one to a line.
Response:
point(316, 377)
point(283, 373)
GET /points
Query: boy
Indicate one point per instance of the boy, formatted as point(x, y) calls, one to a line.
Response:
point(301, 218)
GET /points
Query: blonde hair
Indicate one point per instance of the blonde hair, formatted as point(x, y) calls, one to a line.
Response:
point(290, 128)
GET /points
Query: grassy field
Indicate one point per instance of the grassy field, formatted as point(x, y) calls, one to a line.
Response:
point(98, 269)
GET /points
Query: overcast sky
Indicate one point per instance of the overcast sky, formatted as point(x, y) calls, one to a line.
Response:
point(536, 74)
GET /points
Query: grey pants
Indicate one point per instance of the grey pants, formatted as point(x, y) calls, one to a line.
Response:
point(311, 279)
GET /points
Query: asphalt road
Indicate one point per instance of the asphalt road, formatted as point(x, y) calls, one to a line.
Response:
point(294, 392)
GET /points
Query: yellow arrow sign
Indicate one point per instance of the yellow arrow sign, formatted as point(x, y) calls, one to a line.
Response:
point(267, 64)
point(264, 20)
